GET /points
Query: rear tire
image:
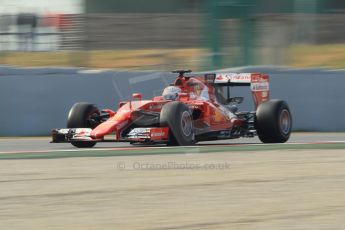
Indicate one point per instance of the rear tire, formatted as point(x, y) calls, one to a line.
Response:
point(79, 117)
point(273, 121)
point(178, 117)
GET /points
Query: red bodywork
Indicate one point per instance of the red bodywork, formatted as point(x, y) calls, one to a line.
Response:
point(211, 113)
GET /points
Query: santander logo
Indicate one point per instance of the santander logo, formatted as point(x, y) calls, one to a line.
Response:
point(160, 134)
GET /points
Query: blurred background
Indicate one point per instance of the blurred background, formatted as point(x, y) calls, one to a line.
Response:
point(169, 34)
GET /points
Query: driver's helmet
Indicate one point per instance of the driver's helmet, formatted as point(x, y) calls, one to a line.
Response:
point(171, 93)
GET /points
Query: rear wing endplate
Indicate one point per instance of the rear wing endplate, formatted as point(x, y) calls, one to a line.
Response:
point(259, 83)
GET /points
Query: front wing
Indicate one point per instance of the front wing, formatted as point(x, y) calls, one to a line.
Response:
point(144, 135)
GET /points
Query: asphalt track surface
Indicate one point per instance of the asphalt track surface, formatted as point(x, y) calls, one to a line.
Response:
point(32, 144)
point(216, 185)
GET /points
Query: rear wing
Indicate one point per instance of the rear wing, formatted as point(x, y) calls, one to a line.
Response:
point(259, 83)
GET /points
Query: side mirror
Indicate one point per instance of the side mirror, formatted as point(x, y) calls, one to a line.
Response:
point(137, 96)
point(237, 100)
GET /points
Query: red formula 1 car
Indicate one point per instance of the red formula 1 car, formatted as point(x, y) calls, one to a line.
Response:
point(192, 109)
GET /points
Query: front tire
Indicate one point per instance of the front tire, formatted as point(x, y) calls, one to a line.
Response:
point(80, 117)
point(178, 117)
point(273, 121)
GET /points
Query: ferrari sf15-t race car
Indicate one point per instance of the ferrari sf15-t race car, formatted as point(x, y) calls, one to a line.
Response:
point(192, 109)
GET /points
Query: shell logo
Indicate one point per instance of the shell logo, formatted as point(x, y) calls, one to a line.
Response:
point(218, 116)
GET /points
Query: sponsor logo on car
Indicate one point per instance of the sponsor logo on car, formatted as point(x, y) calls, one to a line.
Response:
point(159, 133)
point(260, 86)
point(233, 77)
point(155, 106)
